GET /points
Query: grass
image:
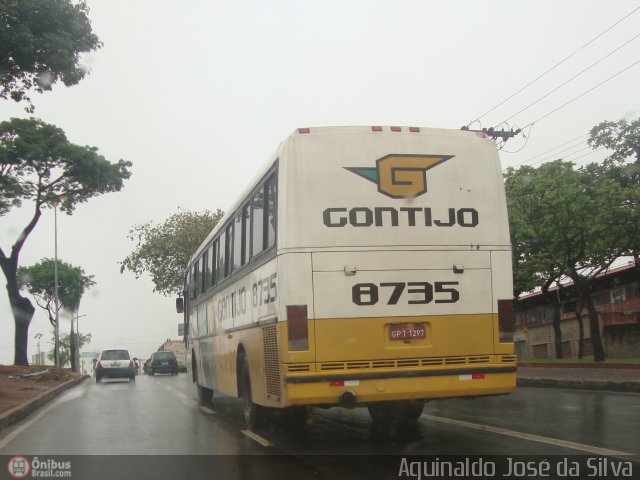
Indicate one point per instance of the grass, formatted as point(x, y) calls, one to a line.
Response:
point(585, 360)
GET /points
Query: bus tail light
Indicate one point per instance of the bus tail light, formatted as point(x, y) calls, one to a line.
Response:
point(99, 365)
point(297, 327)
point(505, 320)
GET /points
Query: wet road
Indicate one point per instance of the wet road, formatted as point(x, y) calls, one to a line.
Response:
point(160, 415)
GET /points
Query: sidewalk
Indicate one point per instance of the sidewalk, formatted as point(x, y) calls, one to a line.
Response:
point(606, 377)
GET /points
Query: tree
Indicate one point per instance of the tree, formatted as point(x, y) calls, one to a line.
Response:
point(39, 281)
point(39, 165)
point(66, 347)
point(40, 44)
point(533, 267)
point(622, 137)
point(163, 251)
point(578, 220)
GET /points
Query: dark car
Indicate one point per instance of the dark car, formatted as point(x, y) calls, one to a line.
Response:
point(163, 362)
point(115, 363)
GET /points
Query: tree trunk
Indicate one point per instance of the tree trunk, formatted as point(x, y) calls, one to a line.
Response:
point(580, 331)
point(72, 347)
point(554, 299)
point(556, 329)
point(22, 310)
point(594, 329)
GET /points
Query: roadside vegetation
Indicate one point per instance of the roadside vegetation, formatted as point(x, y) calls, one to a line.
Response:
point(40, 169)
point(573, 223)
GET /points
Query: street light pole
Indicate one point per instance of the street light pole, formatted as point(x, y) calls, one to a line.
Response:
point(56, 327)
point(78, 365)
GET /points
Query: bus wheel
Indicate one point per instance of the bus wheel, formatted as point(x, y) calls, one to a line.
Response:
point(412, 409)
point(253, 414)
point(204, 394)
point(406, 410)
point(382, 412)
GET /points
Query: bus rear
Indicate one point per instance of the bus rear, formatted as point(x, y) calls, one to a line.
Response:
point(394, 267)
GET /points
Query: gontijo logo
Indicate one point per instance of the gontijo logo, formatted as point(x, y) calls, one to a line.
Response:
point(401, 175)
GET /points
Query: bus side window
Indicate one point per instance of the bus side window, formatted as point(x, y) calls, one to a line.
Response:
point(221, 258)
point(246, 233)
point(272, 205)
point(211, 255)
point(229, 253)
point(237, 242)
point(205, 272)
point(257, 227)
point(195, 280)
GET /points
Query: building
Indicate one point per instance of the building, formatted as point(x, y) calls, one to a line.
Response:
point(41, 358)
point(176, 346)
point(86, 362)
point(617, 299)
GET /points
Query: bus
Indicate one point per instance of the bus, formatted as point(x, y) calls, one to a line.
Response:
point(364, 266)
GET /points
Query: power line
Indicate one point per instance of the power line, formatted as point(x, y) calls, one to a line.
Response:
point(552, 149)
point(554, 67)
point(555, 155)
point(584, 93)
point(594, 151)
point(630, 115)
point(572, 78)
point(569, 155)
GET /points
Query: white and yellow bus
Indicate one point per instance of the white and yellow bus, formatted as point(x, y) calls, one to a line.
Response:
point(365, 266)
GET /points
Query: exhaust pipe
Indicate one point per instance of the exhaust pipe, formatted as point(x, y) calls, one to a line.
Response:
point(348, 399)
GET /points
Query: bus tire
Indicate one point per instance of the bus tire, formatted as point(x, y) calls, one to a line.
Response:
point(253, 414)
point(204, 394)
point(405, 410)
point(382, 412)
point(412, 409)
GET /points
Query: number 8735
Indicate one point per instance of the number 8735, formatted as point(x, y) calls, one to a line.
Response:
point(421, 293)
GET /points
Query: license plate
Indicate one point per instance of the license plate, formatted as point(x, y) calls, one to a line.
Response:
point(164, 363)
point(407, 331)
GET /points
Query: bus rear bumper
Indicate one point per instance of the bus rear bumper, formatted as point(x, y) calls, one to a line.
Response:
point(376, 387)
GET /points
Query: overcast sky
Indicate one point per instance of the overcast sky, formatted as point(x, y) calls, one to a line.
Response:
point(198, 94)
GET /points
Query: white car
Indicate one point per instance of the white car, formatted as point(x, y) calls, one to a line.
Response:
point(115, 363)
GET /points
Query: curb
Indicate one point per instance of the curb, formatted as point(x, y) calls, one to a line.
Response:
point(14, 415)
point(633, 387)
point(602, 366)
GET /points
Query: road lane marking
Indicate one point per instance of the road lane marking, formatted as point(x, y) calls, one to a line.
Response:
point(254, 436)
point(208, 410)
point(529, 436)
